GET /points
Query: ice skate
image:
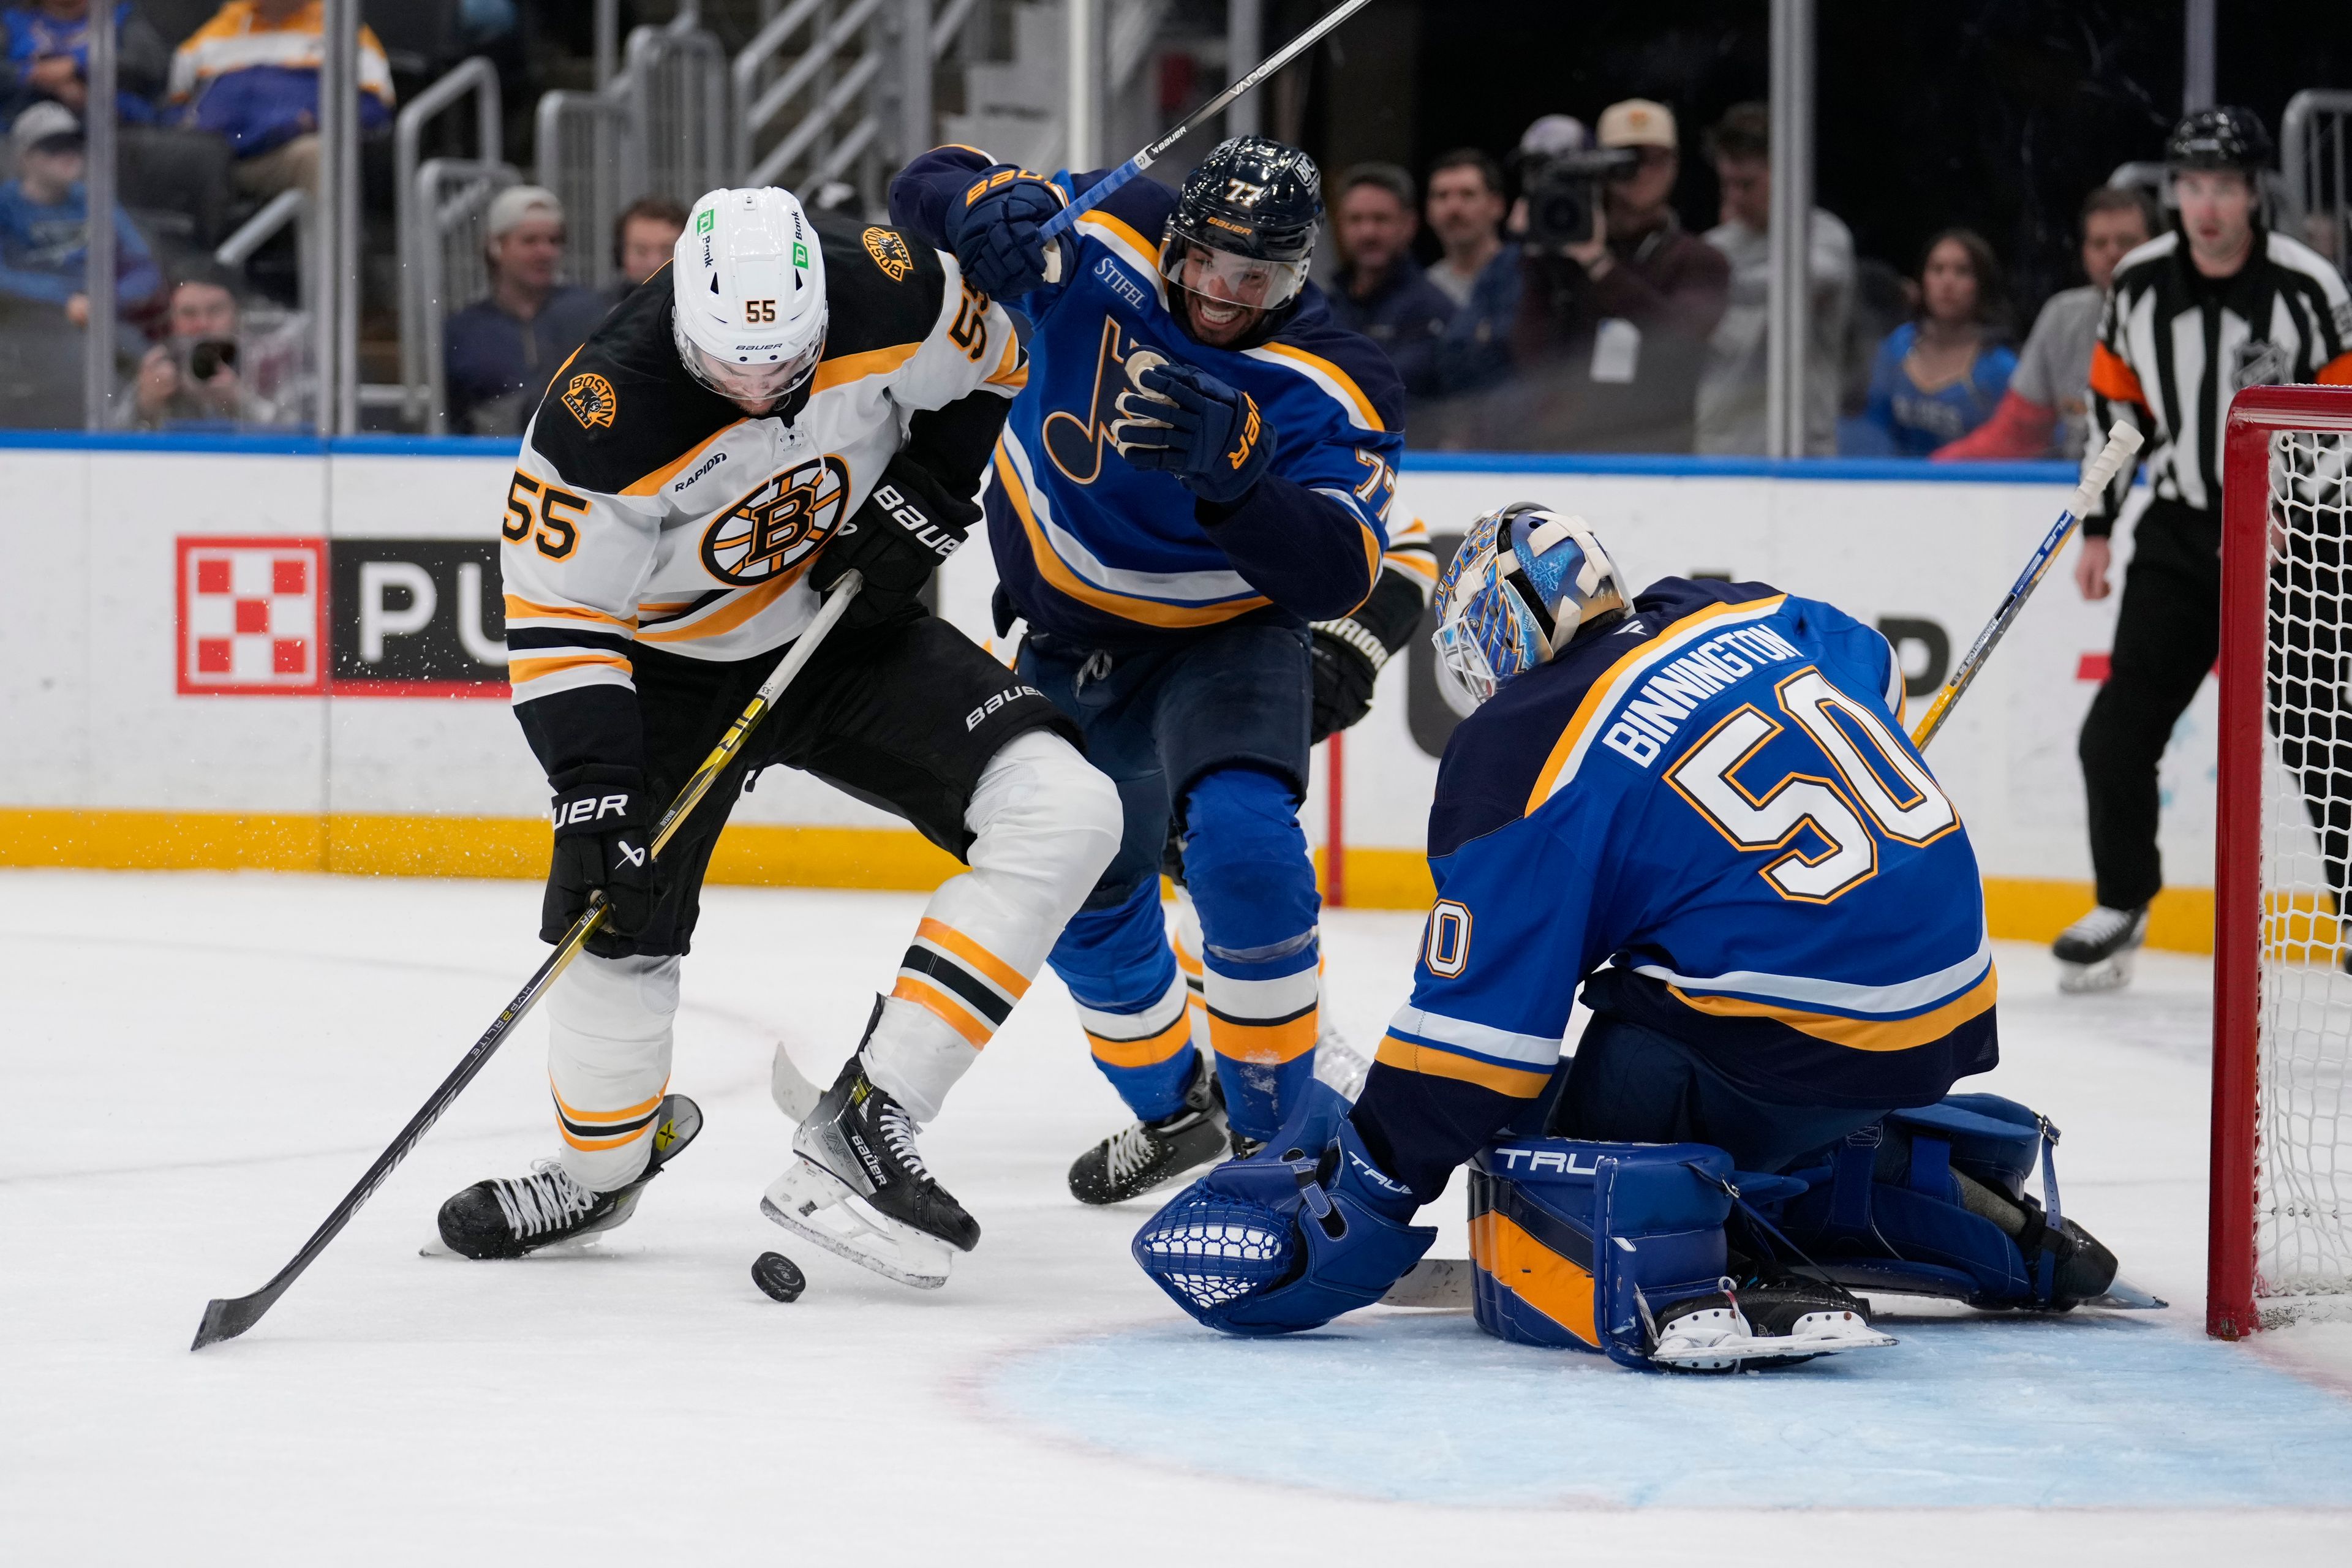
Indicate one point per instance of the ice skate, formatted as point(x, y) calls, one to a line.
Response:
point(1147, 1154)
point(2096, 953)
point(857, 1187)
point(1762, 1327)
point(1339, 1064)
point(511, 1216)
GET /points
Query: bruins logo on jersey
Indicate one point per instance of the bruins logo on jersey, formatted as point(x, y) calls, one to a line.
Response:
point(778, 525)
point(591, 399)
point(890, 253)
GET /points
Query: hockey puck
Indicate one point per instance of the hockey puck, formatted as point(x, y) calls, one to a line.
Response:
point(779, 1275)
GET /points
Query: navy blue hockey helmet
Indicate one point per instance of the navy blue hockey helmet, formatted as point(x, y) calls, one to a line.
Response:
point(2226, 137)
point(1244, 221)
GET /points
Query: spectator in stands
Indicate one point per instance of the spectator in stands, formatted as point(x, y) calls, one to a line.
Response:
point(45, 223)
point(1383, 292)
point(251, 75)
point(191, 377)
point(1477, 272)
point(499, 352)
point(1940, 374)
point(45, 58)
point(1732, 382)
point(2044, 413)
point(1610, 330)
point(643, 237)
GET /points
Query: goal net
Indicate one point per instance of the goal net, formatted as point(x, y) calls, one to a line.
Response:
point(2281, 1223)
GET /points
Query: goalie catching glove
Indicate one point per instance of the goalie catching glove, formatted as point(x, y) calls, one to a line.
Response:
point(897, 539)
point(1179, 419)
point(601, 845)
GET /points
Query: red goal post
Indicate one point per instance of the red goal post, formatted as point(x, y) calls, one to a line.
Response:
point(2280, 1223)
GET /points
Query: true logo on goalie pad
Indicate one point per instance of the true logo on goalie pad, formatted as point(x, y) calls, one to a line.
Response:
point(779, 525)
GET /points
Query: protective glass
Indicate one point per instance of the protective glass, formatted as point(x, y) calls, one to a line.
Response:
point(1226, 275)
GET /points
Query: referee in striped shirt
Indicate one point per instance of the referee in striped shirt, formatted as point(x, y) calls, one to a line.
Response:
point(2217, 303)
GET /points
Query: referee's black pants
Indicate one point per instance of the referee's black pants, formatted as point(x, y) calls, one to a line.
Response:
point(2168, 634)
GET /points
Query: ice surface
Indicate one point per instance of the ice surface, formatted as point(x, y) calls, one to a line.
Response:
point(202, 1064)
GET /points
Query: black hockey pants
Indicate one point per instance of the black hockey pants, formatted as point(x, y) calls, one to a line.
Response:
point(2168, 634)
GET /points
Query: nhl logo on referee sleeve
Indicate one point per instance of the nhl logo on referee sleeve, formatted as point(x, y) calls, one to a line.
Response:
point(890, 253)
point(592, 400)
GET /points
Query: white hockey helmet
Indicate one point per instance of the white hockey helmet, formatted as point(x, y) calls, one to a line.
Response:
point(748, 278)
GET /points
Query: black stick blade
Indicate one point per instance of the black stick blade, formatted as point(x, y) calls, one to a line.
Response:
point(224, 1319)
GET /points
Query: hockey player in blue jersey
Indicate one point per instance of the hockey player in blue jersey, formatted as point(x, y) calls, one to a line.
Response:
point(1199, 473)
point(1699, 805)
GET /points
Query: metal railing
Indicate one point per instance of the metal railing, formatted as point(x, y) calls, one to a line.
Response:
point(658, 128)
point(439, 229)
point(839, 83)
point(2318, 206)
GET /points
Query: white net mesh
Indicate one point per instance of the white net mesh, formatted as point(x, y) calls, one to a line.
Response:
point(2303, 1127)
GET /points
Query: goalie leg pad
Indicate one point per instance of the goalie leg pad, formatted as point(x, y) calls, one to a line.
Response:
point(1580, 1245)
point(1287, 1240)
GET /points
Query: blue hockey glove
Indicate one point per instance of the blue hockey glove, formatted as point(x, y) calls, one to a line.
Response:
point(1179, 419)
point(1289, 1239)
point(992, 229)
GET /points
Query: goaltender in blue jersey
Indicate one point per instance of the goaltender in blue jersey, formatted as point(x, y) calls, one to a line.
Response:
point(1703, 809)
point(1190, 506)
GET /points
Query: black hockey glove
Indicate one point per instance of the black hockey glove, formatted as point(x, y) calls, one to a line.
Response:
point(909, 525)
point(1350, 652)
point(603, 840)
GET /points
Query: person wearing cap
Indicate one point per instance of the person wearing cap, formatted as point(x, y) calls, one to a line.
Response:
point(45, 223)
point(498, 352)
point(1383, 291)
point(1611, 329)
point(251, 75)
point(2218, 303)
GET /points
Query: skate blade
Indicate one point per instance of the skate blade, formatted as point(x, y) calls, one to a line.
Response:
point(593, 1244)
point(813, 1203)
point(2122, 1295)
point(1713, 1341)
point(2089, 979)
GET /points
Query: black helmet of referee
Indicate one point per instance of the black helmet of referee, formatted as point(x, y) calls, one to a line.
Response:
point(2226, 137)
point(1253, 197)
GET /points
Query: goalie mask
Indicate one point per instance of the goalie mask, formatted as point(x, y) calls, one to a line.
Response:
point(747, 277)
point(1523, 581)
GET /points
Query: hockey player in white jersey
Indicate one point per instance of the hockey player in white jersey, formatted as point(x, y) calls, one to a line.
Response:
point(769, 412)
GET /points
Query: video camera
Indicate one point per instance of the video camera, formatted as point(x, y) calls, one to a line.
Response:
point(1563, 193)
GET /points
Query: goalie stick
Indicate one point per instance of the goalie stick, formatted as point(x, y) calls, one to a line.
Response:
point(1094, 195)
point(225, 1318)
point(1446, 1282)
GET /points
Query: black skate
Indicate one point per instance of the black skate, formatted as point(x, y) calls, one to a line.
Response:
point(2097, 952)
point(1761, 1326)
point(511, 1216)
point(859, 1188)
point(1147, 1154)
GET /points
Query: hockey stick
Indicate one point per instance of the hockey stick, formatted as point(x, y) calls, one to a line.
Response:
point(2123, 445)
point(1446, 1283)
point(226, 1319)
point(1094, 195)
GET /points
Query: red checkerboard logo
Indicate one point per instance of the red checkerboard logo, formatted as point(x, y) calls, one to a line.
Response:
point(253, 616)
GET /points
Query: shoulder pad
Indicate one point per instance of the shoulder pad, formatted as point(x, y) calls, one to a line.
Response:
point(1311, 330)
point(882, 287)
point(622, 406)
